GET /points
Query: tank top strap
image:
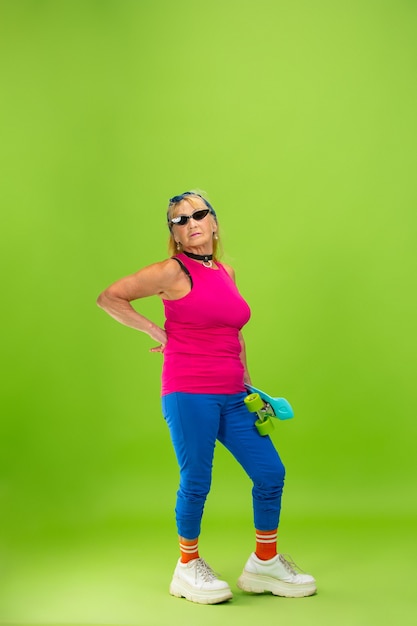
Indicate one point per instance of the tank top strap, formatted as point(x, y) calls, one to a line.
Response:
point(184, 269)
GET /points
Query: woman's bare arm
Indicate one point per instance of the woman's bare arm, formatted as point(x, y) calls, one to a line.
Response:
point(158, 279)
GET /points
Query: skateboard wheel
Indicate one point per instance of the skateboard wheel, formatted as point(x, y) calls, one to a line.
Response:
point(254, 402)
point(265, 427)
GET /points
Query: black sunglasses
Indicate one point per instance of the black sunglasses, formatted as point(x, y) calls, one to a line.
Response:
point(182, 220)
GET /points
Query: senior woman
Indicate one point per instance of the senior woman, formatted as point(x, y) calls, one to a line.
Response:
point(203, 387)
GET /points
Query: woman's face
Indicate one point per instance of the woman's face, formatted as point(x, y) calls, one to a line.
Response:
point(195, 235)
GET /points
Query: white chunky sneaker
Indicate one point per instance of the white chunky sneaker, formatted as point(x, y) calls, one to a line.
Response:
point(278, 575)
point(197, 582)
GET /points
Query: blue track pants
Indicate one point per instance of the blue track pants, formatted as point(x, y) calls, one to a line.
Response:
point(195, 422)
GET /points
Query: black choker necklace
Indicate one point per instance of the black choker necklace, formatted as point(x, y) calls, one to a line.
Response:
point(206, 258)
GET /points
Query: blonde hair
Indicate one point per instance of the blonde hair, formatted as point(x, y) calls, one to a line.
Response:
point(173, 209)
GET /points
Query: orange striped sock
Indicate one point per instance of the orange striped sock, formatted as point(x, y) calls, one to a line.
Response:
point(188, 549)
point(266, 544)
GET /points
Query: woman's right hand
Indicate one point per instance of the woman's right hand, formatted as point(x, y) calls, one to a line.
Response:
point(158, 334)
point(160, 348)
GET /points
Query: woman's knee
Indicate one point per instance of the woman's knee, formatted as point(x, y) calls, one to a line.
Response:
point(194, 487)
point(271, 475)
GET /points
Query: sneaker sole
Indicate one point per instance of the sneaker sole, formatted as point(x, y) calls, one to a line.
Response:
point(254, 583)
point(181, 589)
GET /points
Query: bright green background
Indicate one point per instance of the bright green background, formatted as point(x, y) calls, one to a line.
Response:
point(299, 120)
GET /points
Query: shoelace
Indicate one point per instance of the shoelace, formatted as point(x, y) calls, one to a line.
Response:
point(205, 571)
point(289, 564)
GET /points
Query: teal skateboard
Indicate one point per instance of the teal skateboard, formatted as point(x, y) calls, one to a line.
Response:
point(266, 408)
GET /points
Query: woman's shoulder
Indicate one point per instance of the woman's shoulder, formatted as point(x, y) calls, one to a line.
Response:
point(165, 266)
point(229, 269)
point(168, 269)
point(160, 272)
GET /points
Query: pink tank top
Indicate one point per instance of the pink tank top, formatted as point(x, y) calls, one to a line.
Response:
point(202, 354)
